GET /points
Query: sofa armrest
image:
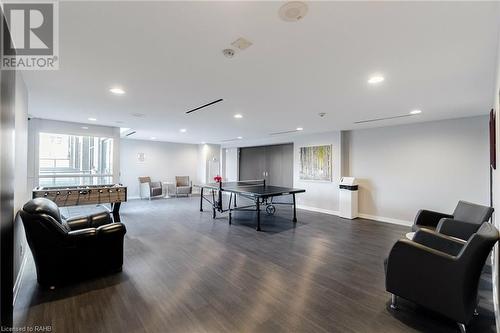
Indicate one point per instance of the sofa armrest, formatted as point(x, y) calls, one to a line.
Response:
point(456, 228)
point(82, 237)
point(429, 218)
point(436, 241)
point(77, 222)
point(116, 228)
point(90, 221)
point(99, 219)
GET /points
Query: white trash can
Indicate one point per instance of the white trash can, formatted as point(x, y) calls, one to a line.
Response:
point(348, 197)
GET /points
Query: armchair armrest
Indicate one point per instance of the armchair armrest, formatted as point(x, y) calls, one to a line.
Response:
point(429, 218)
point(155, 184)
point(413, 267)
point(436, 241)
point(457, 228)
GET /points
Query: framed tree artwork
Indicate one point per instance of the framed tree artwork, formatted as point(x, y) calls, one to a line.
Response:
point(316, 163)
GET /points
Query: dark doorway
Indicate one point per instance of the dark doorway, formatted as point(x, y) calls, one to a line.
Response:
point(272, 163)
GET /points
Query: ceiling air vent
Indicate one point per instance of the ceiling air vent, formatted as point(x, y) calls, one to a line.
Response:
point(283, 132)
point(241, 44)
point(205, 105)
point(380, 119)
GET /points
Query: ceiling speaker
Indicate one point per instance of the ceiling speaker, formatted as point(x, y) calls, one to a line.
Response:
point(228, 53)
point(293, 11)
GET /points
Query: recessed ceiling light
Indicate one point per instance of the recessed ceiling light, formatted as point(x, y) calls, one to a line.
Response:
point(117, 91)
point(85, 127)
point(183, 130)
point(300, 129)
point(203, 142)
point(153, 138)
point(92, 119)
point(415, 111)
point(239, 138)
point(238, 116)
point(376, 79)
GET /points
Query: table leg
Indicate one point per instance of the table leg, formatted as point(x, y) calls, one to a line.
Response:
point(235, 205)
point(116, 207)
point(201, 199)
point(213, 204)
point(258, 214)
point(219, 206)
point(116, 211)
point(294, 209)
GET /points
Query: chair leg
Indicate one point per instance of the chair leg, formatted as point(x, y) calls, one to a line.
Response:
point(462, 328)
point(476, 313)
point(394, 302)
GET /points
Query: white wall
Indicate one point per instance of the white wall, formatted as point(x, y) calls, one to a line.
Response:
point(231, 164)
point(209, 162)
point(322, 196)
point(22, 192)
point(163, 161)
point(496, 193)
point(430, 165)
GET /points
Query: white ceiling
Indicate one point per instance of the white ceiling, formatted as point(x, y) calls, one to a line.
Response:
point(439, 57)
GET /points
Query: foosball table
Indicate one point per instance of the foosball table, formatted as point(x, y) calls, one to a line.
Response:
point(65, 196)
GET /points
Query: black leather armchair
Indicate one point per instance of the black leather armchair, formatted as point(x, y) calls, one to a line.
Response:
point(468, 217)
point(440, 272)
point(73, 248)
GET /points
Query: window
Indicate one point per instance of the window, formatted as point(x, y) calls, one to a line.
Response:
point(71, 160)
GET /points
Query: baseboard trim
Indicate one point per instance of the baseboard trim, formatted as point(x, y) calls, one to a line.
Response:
point(19, 278)
point(361, 215)
point(172, 196)
point(386, 219)
point(319, 210)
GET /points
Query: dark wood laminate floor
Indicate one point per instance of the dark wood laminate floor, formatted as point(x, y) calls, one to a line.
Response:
point(184, 272)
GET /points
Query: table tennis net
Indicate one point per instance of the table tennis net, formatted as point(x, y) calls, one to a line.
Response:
point(243, 183)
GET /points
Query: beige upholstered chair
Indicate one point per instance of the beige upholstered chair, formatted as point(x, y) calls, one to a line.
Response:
point(183, 186)
point(149, 189)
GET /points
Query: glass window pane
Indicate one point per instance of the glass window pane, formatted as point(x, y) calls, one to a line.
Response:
point(69, 160)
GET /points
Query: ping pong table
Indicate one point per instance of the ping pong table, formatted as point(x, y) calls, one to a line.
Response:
point(255, 190)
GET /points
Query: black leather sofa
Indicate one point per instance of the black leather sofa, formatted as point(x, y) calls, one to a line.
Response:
point(440, 272)
point(70, 249)
point(465, 220)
